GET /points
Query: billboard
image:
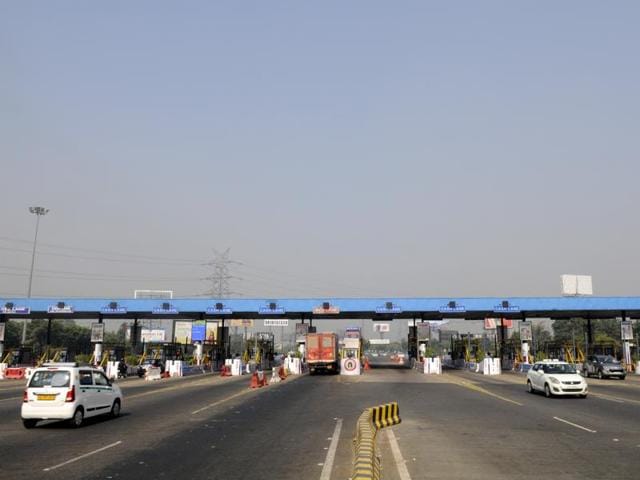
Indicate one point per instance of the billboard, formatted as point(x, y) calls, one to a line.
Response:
point(97, 332)
point(424, 331)
point(212, 332)
point(182, 332)
point(240, 322)
point(198, 330)
point(525, 332)
point(152, 336)
point(276, 322)
point(2, 324)
point(627, 331)
point(381, 327)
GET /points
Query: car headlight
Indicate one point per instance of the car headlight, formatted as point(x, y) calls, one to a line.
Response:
point(554, 380)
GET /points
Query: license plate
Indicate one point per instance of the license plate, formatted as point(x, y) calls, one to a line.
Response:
point(46, 397)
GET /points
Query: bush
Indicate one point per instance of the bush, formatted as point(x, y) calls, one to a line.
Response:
point(83, 358)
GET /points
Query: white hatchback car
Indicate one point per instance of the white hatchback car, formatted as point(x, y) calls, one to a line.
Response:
point(66, 391)
point(554, 377)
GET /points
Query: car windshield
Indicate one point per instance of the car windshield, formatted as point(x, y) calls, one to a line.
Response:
point(559, 368)
point(48, 378)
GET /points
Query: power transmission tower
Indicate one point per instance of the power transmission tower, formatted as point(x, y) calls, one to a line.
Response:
point(221, 276)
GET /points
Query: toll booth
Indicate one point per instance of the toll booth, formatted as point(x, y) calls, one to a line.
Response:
point(351, 353)
point(23, 356)
point(301, 337)
point(261, 349)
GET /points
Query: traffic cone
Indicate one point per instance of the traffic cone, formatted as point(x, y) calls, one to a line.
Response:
point(366, 364)
point(255, 383)
point(226, 371)
point(282, 373)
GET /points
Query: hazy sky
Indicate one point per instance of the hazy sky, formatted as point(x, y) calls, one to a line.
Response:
point(338, 148)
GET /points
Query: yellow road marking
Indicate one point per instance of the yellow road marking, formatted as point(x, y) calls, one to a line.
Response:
point(476, 388)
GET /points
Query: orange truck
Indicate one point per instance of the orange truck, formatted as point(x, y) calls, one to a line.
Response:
point(322, 353)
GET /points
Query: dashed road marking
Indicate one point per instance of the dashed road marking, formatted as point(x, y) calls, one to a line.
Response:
point(401, 465)
point(574, 425)
point(48, 469)
point(331, 453)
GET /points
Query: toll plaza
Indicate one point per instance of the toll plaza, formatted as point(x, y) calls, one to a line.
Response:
point(204, 323)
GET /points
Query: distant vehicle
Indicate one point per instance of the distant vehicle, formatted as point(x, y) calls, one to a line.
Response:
point(556, 378)
point(66, 391)
point(322, 353)
point(603, 366)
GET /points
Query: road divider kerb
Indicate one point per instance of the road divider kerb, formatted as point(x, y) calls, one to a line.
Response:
point(366, 461)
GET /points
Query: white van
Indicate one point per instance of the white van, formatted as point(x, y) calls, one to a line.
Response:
point(66, 391)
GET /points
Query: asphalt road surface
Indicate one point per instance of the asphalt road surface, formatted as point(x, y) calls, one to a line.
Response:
point(459, 425)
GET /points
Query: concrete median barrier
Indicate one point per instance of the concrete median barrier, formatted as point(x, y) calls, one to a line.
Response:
point(366, 461)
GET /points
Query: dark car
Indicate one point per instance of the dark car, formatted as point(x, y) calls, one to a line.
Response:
point(603, 366)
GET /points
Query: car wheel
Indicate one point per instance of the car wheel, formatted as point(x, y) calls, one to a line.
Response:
point(623, 377)
point(78, 418)
point(29, 422)
point(600, 376)
point(529, 387)
point(547, 391)
point(115, 409)
point(584, 395)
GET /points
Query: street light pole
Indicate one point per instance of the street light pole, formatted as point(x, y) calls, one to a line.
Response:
point(38, 212)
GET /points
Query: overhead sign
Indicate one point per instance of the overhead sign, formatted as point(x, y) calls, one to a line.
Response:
point(381, 327)
point(424, 331)
point(271, 309)
point(11, 309)
point(389, 308)
point(240, 322)
point(60, 308)
point(165, 309)
point(276, 322)
point(113, 309)
point(526, 335)
point(489, 323)
point(198, 330)
point(219, 309)
point(627, 330)
point(452, 307)
point(326, 309)
point(152, 336)
point(97, 332)
point(379, 341)
point(506, 308)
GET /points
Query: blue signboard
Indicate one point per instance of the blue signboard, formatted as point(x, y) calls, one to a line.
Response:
point(271, 311)
point(165, 309)
point(507, 309)
point(16, 310)
point(452, 309)
point(198, 331)
point(389, 308)
point(219, 311)
point(60, 308)
point(113, 310)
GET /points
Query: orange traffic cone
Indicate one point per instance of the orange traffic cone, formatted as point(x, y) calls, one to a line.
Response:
point(226, 371)
point(366, 364)
point(255, 383)
point(281, 373)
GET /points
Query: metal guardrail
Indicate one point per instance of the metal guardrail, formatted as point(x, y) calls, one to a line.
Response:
point(366, 461)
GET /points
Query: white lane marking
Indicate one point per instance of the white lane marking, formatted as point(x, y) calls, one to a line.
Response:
point(231, 397)
point(48, 469)
point(574, 425)
point(401, 465)
point(331, 454)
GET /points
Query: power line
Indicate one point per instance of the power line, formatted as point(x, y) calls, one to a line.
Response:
point(221, 276)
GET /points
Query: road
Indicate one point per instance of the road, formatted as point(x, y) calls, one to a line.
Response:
point(460, 425)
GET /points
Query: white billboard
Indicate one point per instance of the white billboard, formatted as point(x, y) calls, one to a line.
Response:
point(276, 322)
point(152, 336)
point(573, 285)
point(381, 327)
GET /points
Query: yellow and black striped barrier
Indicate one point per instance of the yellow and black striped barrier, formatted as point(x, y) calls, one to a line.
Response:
point(366, 462)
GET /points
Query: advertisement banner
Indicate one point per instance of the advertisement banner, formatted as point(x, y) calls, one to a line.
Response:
point(627, 331)
point(152, 336)
point(525, 332)
point(198, 330)
point(97, 332)
point(489, 323)
point(212, 332)
point(240, 322)
point(2, 324)
point(182, 332)
point(424, 331)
